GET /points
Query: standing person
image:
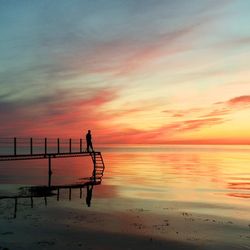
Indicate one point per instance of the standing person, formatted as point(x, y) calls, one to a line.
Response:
point(89, 142)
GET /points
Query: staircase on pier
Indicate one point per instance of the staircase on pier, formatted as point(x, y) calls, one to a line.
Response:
point(98, 166)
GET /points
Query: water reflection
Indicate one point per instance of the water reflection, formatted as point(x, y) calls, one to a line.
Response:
point(49, 191)
point(181, 176)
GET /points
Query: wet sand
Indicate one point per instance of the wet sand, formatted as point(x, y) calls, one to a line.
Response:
point(62, 225)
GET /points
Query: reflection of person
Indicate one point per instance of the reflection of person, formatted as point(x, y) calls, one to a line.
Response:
point(89, 195)
point(89, 142)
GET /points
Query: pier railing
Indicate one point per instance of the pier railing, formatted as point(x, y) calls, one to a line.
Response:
point(30, 146)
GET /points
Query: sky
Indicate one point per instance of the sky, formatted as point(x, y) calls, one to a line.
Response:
point(136, 72)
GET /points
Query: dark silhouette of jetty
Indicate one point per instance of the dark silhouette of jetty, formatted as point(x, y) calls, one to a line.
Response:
point(49, 148)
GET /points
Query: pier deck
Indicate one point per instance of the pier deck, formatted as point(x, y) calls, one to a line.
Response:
point(47, 155)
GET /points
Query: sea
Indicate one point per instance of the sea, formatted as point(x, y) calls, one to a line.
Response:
point(204, 179)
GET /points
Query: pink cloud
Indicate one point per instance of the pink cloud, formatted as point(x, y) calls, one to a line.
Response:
point(240, 100)
point(64, 113)
point(227, 107)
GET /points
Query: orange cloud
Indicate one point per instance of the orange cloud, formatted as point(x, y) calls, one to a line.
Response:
point(239, 195)
point(197, 124)
point(163, 134)
point(239, 185)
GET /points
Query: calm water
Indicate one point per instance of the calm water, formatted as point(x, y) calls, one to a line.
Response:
point(206, 179)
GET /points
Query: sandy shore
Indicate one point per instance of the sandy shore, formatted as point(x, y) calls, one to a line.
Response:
point(64, 225)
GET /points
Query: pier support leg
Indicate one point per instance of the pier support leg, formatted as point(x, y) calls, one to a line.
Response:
point(31, 202)
point(15, 208)
point(69, 194)
point(58, 194)
point(80, 193)
point(49, 172)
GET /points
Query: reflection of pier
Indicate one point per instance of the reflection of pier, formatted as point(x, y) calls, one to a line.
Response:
point(37, 148)
point(45, 192)
point(53, 190)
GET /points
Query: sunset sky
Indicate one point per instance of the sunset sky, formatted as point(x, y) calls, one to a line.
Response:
point(150, 71)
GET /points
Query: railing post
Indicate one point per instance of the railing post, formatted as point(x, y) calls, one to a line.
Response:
point(81, 145)
point(15, 146)
point(31, 146)
point(58, 146)
point(70, 142)
point(45, 146)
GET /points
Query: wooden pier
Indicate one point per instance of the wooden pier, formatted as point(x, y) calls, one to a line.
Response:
point(48, 148)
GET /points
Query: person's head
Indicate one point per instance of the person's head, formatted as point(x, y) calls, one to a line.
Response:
point(89, 131)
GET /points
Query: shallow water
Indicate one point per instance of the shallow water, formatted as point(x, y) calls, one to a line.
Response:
point(201, 179)
point(209, 181)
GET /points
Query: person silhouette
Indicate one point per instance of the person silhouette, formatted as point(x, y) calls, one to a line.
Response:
point(89, 141)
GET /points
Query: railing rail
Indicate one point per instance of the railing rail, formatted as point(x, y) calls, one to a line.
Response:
point(29, 146)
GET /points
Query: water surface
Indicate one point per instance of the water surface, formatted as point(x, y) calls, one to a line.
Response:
point(208, 179)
